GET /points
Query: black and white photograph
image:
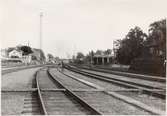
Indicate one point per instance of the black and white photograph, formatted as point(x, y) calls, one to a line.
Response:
point(83, 57)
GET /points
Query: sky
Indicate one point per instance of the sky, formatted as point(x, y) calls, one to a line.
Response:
point(70, 26)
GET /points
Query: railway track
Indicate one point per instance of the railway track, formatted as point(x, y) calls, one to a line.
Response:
point(136, 94)
point(154, 91)
point(62, 100)
point(31, 104)
point(55, 94)
point(109, 104)
point(121, 73)
point(113, 93)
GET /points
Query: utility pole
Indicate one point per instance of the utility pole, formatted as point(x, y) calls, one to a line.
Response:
point(92, 54)
point(74, 51)
point(40, 34)
point(28, 43)
point(40, 29)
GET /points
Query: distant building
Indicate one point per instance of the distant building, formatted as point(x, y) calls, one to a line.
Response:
point(15, 53)
point(102, 59)
point(27, 59)
point(65, 60)
point(4, 53)
point(37, 56)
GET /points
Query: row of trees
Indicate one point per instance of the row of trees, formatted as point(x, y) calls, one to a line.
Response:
point(136, 41)
point(134, 45)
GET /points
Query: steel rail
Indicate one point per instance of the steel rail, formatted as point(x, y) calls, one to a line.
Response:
point(131, 82)
point(121, 97)
point(76, 97)
point(40, 96)
point(124, 81)
point(125, 84)
point(121, 73)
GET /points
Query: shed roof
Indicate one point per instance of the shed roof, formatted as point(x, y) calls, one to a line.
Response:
point(103, 55)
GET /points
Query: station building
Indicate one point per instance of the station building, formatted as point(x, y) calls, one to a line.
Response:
point(102, 59)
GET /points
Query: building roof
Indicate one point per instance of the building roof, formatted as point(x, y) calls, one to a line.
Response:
point(103, 55)
point(16, 50)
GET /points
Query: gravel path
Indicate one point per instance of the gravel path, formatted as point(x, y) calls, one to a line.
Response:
point(15, 67)
point(18, 80)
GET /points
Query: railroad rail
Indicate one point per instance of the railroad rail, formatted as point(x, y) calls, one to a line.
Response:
point(76, 97)
point(45, 99)
point(118, 96)
point(158, 92)
point(121, 73)
point(43, 108)
point(67, 91)
point(33, 102)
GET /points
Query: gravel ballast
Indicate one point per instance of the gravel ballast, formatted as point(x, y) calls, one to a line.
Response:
point(106, 85)
point(45, 81)
point(58, 103)
point(144, 98)
point(109, 105)
point(18, 80)
point(147, 99)
point(12, 103)
point(67, 81)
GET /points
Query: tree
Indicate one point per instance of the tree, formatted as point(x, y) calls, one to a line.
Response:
point(158, 27)
point(79, 58)
point(26, 50)
point(80, 55)
point(87, 58)
point(117, 43)
point(50, 56)
point(99, 52)
point(10, 49)
point(73, 57)
point(34, 57)
point(157, 36)
point(42, 57)
point(108, 52)
point(131, 46)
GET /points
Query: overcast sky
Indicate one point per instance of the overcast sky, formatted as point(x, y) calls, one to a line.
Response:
point(70, 26)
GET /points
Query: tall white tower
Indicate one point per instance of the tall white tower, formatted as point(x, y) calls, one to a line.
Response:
point(40, 30)
point(40, 33)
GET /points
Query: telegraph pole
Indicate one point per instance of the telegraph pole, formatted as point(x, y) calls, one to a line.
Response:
point(40, 30)
point(28, 44)
point(40, 33)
